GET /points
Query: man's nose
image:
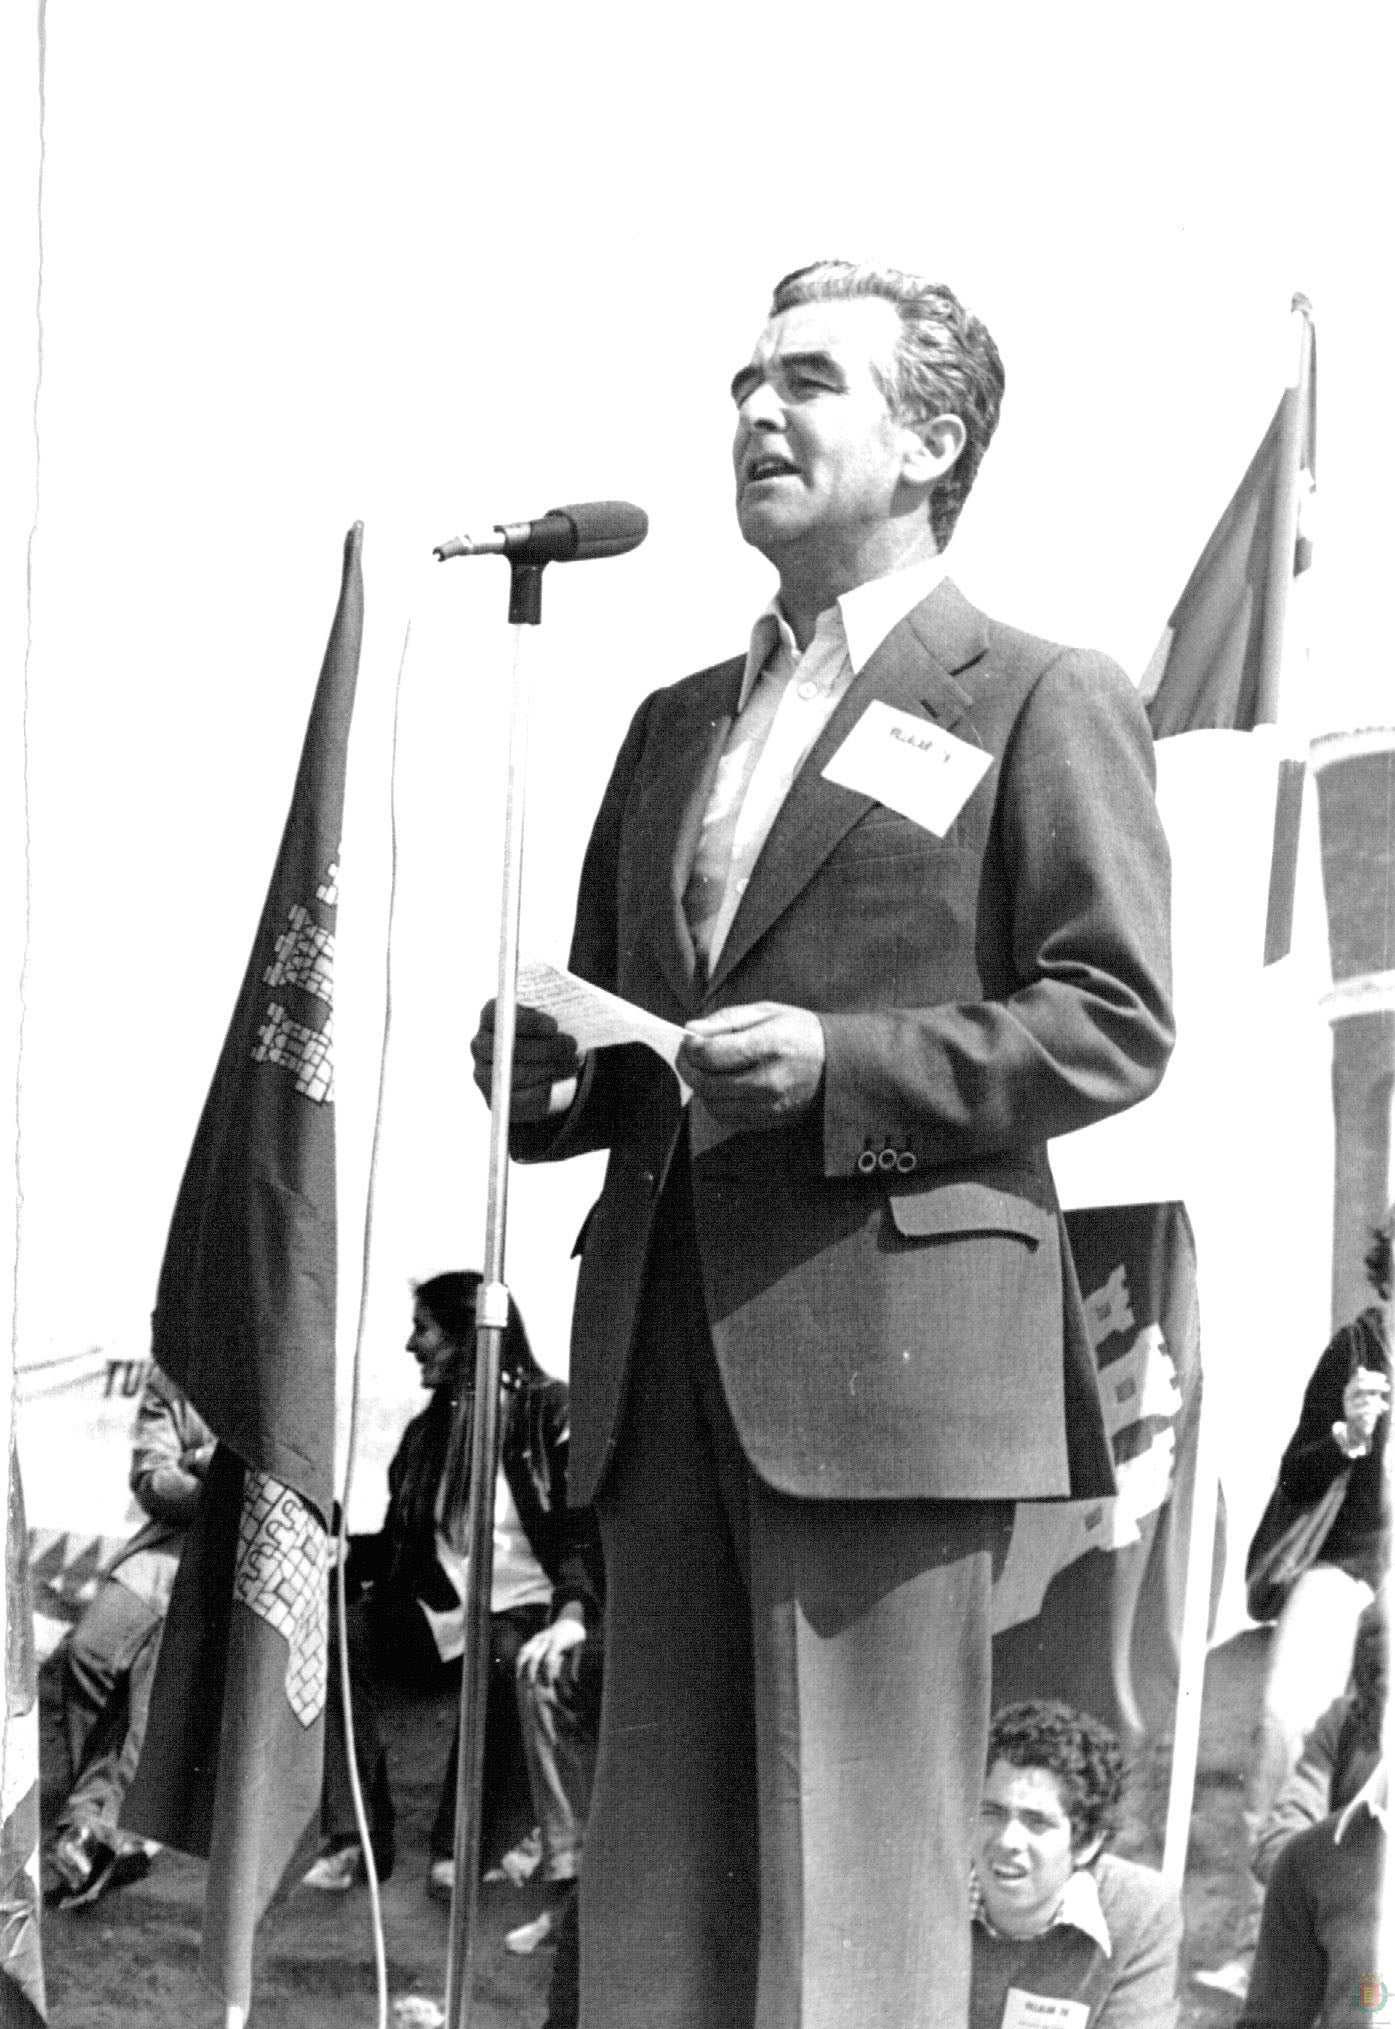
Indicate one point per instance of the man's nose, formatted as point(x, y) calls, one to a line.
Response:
point(762, 408)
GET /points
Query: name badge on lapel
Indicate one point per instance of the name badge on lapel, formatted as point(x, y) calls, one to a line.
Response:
point(1022, 2010)
point(911, 765)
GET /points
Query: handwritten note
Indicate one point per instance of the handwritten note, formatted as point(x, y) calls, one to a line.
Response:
point(909, 764)
point(589, 1014)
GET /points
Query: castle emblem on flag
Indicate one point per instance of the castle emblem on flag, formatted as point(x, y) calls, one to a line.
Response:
point(282, 1576)
point(304, 959)
point(305, 1052)
point(304, 956)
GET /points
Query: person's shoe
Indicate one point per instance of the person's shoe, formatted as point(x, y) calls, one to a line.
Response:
point(440, 1882)
point(521, 1862)
point(418, 2011)
point(336, 1871)
point(528, 1936)
point(1232, 1979)
point(87, 1868)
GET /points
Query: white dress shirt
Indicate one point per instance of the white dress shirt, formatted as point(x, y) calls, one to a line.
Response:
point(846, 636)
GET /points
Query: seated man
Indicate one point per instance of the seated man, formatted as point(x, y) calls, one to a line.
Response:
point(1319, 1938)
point(1055, 1917)
point(108, 1665)
point(1340, 1752)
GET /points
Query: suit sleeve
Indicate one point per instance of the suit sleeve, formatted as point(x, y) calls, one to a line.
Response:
point(1077, 1022)
point(165, 1432)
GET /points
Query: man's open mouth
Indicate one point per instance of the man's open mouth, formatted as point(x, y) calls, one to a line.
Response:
point(770, 468)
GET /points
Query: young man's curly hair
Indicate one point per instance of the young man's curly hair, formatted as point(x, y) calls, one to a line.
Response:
point(1075, 1747)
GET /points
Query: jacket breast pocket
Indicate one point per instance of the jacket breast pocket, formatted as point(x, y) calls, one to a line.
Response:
point(884, 834)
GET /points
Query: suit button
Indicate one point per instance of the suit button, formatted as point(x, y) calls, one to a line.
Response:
point(905, 1162)
point(887, 1159)
point(867, 1162)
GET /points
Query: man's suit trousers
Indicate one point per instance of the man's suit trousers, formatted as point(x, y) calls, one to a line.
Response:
point(793, 1724)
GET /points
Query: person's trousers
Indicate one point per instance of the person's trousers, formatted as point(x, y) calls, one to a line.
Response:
point(794, 1722)
point(108, 1670)
point(560, 1723)
point(390, 1637)
point(505, 1794)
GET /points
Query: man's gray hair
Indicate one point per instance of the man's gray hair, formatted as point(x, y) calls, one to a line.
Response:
point(945, 363)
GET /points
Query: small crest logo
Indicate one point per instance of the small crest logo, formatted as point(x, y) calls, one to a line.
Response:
point(1371, 1992)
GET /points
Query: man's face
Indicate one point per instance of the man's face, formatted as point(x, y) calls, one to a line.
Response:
point(818, 453)
point(1023, 1849)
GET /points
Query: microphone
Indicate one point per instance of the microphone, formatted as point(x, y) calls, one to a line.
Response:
point(595, 528)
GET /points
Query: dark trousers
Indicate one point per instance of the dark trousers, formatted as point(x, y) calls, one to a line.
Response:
point(793, 1724)
point(108, 1668)
point(389, 1638)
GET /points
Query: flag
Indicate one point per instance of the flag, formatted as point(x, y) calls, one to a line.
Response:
point(245, 1324)
point(1088, 1605)
point(1220, 658)
point(21, 1960)
point(1091, 1604)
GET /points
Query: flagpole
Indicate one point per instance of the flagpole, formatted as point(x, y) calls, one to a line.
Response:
point(1191, 1668)
point(491, 1324)
point(1283, 534)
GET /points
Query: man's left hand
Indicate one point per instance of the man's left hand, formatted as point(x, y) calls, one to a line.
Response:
point(755, 1066)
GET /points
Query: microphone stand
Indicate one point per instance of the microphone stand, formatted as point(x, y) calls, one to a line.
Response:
point(491, 1323)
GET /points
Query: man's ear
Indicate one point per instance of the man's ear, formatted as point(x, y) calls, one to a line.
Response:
point(1090, 1851)
point(932, 448)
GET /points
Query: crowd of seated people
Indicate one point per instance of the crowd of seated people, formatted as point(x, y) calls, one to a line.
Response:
point(1055, 1916)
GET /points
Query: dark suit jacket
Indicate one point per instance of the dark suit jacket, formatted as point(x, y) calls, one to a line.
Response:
point(890, 1293)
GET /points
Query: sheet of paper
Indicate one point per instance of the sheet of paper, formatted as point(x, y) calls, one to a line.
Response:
point(595, 1018)
point(910, 764)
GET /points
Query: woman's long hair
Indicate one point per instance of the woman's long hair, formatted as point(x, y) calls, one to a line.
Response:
point(450, 1300)
point(437, 1473)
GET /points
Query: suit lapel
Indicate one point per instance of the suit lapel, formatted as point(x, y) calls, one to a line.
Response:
point(927, 665)
point(678, 789)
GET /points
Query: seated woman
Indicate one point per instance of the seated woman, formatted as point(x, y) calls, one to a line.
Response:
point(1056, 1919)
point(406, 1585)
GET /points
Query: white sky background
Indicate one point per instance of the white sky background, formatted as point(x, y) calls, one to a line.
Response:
point(439, 265)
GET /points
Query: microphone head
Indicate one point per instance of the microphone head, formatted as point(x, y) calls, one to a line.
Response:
point(605, 528)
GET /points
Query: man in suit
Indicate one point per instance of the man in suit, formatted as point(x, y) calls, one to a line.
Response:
point(898, 872)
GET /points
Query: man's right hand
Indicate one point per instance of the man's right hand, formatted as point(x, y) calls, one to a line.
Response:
point(544, 1056)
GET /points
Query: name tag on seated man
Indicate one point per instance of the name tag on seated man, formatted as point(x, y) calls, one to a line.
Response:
point(909, 764)
point(1022, 2010)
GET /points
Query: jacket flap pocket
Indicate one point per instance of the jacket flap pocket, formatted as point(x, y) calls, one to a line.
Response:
point(967, 1208)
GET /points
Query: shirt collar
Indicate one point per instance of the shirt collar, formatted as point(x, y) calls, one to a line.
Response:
point(1373, 1796)
point(1079, 1907)
point(864, 616)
